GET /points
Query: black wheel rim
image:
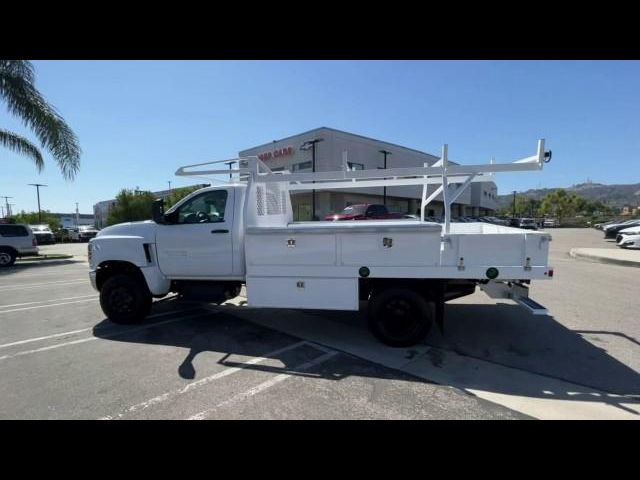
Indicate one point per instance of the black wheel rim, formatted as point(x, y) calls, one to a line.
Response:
point(5, 258)
point(401, 319)
point(122, 301)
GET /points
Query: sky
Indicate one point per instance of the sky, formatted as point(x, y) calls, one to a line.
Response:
point(138, 121)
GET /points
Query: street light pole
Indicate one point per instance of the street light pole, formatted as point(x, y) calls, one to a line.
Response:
point(38, 185)
point(311, 144)
point(384, 191)
point(230, 163)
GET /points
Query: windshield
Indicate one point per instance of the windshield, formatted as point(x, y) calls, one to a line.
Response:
point(526, 221)
point(85, 228)
point(354, 210)
point(40, 228)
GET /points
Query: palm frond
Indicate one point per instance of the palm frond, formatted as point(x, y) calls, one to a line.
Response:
point(18, 68)
point(24, 101)
point(22, 146)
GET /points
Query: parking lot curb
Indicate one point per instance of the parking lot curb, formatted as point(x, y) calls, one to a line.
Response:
point(603, 256)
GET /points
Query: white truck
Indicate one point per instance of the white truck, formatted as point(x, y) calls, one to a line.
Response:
point(219, 238)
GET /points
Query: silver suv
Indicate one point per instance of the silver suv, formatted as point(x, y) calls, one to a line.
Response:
point(16, 241)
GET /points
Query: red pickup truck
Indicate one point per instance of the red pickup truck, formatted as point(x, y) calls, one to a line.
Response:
point(364, 211)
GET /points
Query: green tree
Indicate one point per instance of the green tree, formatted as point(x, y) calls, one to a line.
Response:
point(560, 204)
point(131, 206)
point(526, 207)
point(178, 194)
point(26, 102)
point(31, 218)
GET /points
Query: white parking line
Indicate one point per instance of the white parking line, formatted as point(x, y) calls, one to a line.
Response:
point(201, 382)
point(35, 285)
point(73, 332)
point(90, 339)
point(263, 386)
point(46, 301)
point(30, 340)
point(46, 306)
point(57, 271)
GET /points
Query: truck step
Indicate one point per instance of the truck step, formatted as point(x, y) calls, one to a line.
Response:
point(533, 306)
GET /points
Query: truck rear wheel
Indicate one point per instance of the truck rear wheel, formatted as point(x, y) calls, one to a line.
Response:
point(125, 299)
point(399, 317)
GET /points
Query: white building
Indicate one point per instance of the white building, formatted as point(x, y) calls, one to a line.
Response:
point(296, 153)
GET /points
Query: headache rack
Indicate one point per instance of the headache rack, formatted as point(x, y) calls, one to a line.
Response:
point(452, 178)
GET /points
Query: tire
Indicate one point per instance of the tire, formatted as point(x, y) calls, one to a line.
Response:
point(7, 257)
point(125, 299)
point(400, 317)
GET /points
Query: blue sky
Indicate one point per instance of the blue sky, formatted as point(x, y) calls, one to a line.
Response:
point(138, 121)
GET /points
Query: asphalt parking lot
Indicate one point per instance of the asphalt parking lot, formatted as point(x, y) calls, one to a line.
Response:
point(60, 357)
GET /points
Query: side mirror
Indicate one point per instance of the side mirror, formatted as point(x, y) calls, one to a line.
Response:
point(157, 211)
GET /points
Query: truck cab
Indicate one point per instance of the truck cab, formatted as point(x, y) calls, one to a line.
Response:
point(195, 248)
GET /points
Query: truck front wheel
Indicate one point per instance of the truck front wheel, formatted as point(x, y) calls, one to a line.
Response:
point(125, 299)
point(399, 317)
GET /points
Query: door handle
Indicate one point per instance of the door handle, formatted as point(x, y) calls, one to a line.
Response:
point(219, 231)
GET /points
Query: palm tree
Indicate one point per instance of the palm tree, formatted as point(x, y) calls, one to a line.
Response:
point(23, 100)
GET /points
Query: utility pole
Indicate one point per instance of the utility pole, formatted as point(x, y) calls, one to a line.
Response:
point(77, 216)
point(6, 200)
point(169, 182)
point(514, 204)
point(384, 191)
point(311, 144)
point(38, 185)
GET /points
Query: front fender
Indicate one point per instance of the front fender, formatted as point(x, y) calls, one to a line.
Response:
point(130, 249)
point(119, 248)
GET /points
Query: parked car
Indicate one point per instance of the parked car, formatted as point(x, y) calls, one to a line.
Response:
point(550, 223)
point(601, 226)
point(83, 233)
point(527, 224)
point(43, 234)
point(625, 232)
point(630, 241)
point(16, 241)
point(611, 231)
point(364, 211)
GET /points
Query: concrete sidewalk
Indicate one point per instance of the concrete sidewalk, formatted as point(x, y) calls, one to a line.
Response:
point(627, 258)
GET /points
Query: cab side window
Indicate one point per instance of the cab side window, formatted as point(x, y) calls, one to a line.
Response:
point(207, 207)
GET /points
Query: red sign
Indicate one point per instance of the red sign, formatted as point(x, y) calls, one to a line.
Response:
point(280, 152)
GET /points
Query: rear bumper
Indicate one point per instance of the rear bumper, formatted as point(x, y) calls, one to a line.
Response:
point(45, 239)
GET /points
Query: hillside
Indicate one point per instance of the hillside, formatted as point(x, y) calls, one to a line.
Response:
point(613, 195)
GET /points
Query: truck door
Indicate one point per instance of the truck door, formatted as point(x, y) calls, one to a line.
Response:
point(197, 241)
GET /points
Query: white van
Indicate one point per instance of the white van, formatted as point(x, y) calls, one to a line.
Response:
point(16, 241)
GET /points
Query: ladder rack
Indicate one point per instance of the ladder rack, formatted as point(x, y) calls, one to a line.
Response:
point(443, 173)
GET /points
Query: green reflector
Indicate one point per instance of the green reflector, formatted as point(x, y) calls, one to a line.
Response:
point(492, 273)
